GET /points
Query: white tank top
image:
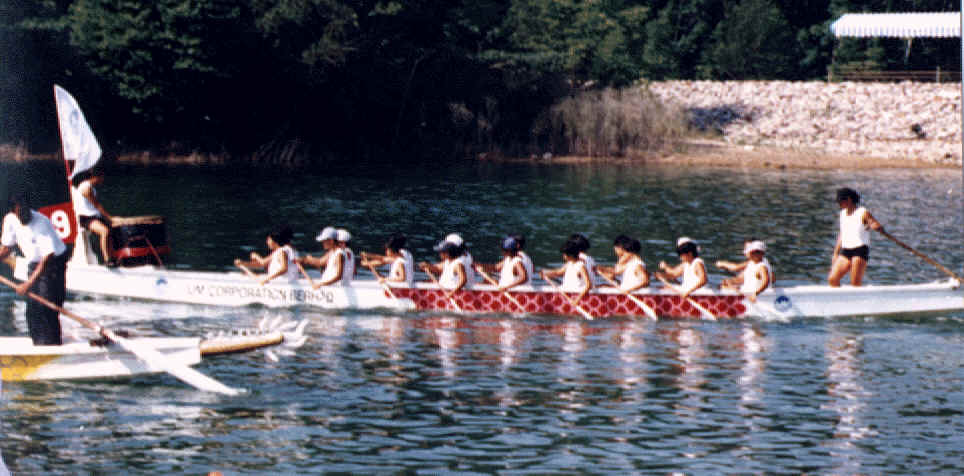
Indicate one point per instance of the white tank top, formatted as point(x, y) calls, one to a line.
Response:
point(403, 264)
point(292, 274)
point(82, 206)
point(689, 273)
point(527, 264)
point(331, 270)
point(590, 265)
point(349, 263)
point(449, 278)
point(750, 281)
point(572, 280)
point(853, 232)
point(629, 279)
point(508, 277)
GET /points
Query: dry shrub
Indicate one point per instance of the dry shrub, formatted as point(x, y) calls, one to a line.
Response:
point(611, 123)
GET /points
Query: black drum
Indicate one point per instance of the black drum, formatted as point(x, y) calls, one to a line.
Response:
point(139, 240)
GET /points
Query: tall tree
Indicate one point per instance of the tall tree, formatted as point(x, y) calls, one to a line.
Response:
point(753, 41)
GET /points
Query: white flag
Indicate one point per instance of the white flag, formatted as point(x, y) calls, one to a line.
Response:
point(78, 140)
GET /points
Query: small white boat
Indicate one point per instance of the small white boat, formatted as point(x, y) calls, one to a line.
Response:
point(20, 360)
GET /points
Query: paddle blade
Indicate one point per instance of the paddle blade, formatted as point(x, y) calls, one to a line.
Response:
point(183, 373)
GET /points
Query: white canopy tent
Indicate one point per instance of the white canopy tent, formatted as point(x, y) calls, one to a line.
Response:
point(898, 25)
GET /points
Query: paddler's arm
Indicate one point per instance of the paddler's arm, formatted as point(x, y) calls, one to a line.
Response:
point(371, 259)
point(339, 267)
point(700, 281)
point(281, 270)
point(586, 282)
point(553, 273)
point(670, 272)
point(872, 222)
point(764, 276)
point(460, 277)
point(731, 266)
point(25, 286)
point(519, 271)
point(643, 281)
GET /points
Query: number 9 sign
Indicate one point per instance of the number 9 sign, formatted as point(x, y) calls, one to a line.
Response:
point(62, 217)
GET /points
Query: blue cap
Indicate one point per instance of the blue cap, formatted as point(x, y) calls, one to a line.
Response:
point(510, 244)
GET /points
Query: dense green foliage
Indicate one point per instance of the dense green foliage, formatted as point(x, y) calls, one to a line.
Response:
point(367, 78)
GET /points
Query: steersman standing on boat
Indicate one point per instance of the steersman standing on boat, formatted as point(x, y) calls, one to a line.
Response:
point(91, 214)
point(852, 250)
point(46, 256)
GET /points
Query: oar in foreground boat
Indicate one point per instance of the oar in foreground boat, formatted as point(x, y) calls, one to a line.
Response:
point(455, 305)
point(246, 270)
point(385, 286)
point(493, 282)
point(921, 256)
point(704, 312)
point(571, 301)
point(144, 352)
point(305, 274)
point(639, 302)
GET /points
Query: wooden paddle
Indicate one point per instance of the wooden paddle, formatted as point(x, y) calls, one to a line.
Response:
point(639, 302)
point(921, 256)
point(504, 293)
point(305, 274)
point(572, 302)
point(386, 287)
point(144, 352)
point(704, 313)
point(455, 305)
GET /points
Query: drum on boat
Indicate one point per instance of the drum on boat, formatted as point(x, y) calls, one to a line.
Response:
point(139, 240)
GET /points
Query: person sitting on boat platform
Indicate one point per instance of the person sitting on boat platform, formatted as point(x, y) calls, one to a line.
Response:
point(455, 269)
point(91, 214)
point(281, 260)
point(628, 264)
point(512, 270)
point(691, 268)
point(342, 238)
point(574, 272)
point(46, 272)
point(402, 265)
point(333, 261)
point(852, 250)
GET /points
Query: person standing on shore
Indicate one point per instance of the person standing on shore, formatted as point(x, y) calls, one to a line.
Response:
point(852, 250)
point(46, 272)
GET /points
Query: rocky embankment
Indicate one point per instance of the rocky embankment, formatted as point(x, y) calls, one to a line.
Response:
point(913, 121)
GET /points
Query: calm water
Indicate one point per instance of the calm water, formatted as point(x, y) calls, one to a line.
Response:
point(449, 394)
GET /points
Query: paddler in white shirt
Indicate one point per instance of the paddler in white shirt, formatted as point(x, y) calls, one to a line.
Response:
point(629, 265)
point(281, 261)
point(755, 274)
point(401, 264)
point(342, 237)
point(574, 273)
point(582, 243)
point(852, 250)
point(511, 268)
point(455, 269)
point(333, 260)
point(691, 268)
point(526, 260)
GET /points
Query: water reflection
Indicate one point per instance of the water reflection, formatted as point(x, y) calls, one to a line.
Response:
point(848, 399)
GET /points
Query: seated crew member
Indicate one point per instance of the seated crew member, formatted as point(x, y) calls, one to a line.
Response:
point(342, 238)
point(402, 265)
point(757, 276)
point(574, 272)
point(281, 260)
point(333, 261)
point(455, 269)
point(629, 265)
point(46, 272)
point(691, 267)
point(511, 268)
point(526, 260)
point(91, 214)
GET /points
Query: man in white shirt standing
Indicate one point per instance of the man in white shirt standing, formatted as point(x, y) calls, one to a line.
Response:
point(46, 256)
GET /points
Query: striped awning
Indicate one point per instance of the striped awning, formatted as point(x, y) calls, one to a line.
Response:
point(898, 25)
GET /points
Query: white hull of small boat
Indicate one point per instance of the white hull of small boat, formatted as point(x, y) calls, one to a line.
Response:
point(800, 301)
point(20, 360)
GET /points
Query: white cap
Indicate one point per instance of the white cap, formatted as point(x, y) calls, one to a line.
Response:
point(683, 240)
point(752, 246)
point(327, 234)
point(455, 239)
point(342, 235)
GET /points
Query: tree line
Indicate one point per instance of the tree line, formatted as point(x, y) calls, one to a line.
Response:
point(394, 79)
